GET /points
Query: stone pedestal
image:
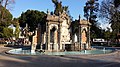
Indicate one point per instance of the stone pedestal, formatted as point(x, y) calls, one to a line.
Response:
point(33, 48)
point(33, 51)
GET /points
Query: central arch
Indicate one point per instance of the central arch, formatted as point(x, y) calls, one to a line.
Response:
point(53, 37)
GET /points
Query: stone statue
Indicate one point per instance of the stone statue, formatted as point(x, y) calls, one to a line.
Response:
point(48, 12)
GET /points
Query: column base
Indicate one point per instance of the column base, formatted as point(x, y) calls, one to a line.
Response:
point(32, 51)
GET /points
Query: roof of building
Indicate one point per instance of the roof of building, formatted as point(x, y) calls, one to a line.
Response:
point(85, 22)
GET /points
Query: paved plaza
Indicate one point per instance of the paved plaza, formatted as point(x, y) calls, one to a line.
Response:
point(107, 60)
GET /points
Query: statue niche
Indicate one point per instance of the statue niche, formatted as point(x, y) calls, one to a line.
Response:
point(84, 36)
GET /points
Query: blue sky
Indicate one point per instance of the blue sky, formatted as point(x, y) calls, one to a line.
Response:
point(75, 6)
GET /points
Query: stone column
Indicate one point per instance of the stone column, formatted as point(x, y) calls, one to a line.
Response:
point(87, 43)
point(34, 42)
point(40, 36)
point(79, 37)
point(61, 46)
point(55, 41)
point(42, 40)
point(33, 46)
point(82, 38)
point(89, 37)
point(47, 37)
point(73, 42)
point(59, 36)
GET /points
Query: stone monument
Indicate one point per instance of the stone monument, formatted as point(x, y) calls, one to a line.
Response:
point(57, 35)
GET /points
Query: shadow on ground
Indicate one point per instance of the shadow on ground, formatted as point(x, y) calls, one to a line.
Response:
point(52, 61)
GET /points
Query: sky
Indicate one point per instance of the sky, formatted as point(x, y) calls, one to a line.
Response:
point(75, 7)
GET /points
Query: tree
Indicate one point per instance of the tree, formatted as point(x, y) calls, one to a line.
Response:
point(29, 21)
point(1, 5)
point(59, 8)
point(4, 3)
point(90, 13)
point(17, 29)
point(32, 18)
point(5, 23)
point(107, 9)
point(75, 27)
point(107, 35)
point(116, 3)
point(7, 17)
point(7, 32)
point(110, 11)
